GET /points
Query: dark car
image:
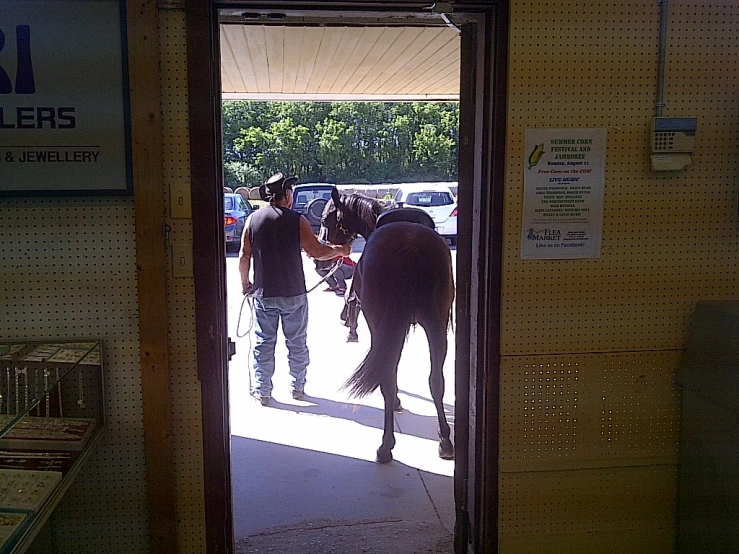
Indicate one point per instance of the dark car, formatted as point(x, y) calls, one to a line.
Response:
point(309, 200)
point(236, 209)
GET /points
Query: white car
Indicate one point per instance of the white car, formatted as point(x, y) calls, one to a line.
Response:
point(436, 200)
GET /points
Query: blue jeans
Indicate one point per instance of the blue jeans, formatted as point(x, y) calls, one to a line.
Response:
point(293, 311)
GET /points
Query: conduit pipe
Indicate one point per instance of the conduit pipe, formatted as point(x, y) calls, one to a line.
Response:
point(663, 5)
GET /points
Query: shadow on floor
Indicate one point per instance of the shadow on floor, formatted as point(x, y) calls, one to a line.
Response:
point(406, 421)
point(276, 485)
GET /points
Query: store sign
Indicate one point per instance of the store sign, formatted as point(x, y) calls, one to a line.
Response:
point(564, 175)
point(63, 98)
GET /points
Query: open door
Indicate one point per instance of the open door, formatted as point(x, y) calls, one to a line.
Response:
point(481, 182)
point(479, 260)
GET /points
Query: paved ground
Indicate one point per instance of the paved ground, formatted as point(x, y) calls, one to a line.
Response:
point(352, 537)
point(304, 476)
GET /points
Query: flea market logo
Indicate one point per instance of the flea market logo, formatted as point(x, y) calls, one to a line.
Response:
point(27, 117)
point(543, 234)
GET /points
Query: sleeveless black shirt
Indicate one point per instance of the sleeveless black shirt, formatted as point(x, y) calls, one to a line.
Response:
point(274, 234)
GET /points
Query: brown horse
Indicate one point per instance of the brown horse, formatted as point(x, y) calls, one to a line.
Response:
point(403, 278)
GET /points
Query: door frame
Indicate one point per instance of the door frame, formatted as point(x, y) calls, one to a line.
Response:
point(479, 252)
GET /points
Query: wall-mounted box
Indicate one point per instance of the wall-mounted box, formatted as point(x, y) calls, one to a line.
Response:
point(672, 142)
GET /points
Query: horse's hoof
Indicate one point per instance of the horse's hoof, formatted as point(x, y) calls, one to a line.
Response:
point(398, 406)
point(384, 457)
point(352, 337)
point(446, 450)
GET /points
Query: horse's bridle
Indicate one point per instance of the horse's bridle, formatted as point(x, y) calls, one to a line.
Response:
point(343, 230)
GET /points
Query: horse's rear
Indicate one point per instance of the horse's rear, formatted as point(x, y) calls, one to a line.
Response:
point(404, 277)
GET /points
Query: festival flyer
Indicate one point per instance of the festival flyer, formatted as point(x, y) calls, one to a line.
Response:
point(564, 177)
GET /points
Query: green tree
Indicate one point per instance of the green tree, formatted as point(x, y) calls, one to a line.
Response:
point(241, 174)
point(342, 142)
point(434, 152)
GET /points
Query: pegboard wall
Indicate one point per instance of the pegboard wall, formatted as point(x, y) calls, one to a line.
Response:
point(72, 275)
point(68, 271)
point(185, 386)
point(590, 346)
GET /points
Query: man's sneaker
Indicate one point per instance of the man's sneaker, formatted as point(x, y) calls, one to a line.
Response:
point(263, 400)
point(298, 394)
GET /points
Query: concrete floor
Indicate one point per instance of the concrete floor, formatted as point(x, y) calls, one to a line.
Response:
point(296, 463)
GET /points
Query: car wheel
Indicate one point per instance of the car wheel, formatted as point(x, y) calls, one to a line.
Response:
point(314, 211)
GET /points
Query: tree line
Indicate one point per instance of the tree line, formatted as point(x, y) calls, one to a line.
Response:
point(340, 142)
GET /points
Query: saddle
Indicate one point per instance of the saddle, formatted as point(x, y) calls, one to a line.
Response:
point(411, 215)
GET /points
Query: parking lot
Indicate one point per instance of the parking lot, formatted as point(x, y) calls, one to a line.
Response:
point(295, 461)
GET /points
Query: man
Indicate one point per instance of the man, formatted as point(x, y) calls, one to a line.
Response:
point(273, 235)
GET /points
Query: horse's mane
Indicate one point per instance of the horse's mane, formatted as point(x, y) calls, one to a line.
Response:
point(365, 208)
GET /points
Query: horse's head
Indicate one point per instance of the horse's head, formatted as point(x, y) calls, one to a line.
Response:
point(345, 217)
point(334, 221)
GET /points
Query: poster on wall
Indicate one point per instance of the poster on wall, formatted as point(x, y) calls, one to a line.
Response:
point(564, 175)
point(64, 112)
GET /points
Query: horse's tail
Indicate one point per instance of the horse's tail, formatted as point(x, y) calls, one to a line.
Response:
point(381, 360)
point(395, 310)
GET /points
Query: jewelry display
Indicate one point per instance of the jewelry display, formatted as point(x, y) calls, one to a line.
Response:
point(37, 461)
point(92, 358)
point(26, 490)
point(41, 353)
point(12, 524)
point(46, 388)
point(18, 373)
point(41, 433)
point(80, 391)
point(16, 391)
point(45, 432)
point(26, 399)
point(11, 351)
point(35, 390)
point(7, 389)
point(59, 392)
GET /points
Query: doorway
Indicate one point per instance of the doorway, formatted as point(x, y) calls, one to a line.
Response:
point(482, 127)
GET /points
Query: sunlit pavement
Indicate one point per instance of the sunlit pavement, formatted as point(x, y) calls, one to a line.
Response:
point(314, 459)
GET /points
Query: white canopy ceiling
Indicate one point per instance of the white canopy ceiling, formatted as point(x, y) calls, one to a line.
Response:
point(262, 62)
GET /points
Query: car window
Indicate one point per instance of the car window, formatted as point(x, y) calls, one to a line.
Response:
point(228, 203)
point(398, 195)
point(429, 198)
point(244, 205)
point(305, 196)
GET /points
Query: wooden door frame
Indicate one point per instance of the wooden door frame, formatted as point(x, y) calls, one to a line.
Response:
point(479, 256)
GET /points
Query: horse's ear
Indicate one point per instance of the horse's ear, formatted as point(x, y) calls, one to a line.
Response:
point(335, 196)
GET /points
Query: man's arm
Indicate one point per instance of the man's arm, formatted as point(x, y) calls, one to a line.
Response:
point(317, 250)
point(245, 258)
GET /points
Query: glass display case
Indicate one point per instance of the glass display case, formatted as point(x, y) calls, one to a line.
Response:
point(51, 415)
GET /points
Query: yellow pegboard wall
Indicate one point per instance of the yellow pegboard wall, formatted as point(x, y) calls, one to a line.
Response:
point(572, 511)
point(669, 240)
point(588, 411)
point(185, 386)
point(68, 271)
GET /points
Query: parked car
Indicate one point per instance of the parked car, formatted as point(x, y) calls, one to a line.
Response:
point(236, 209)
point(309, 200)
point(438, 201)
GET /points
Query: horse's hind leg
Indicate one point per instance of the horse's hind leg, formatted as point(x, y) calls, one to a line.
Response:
point(436, 334)
point(389, 393)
